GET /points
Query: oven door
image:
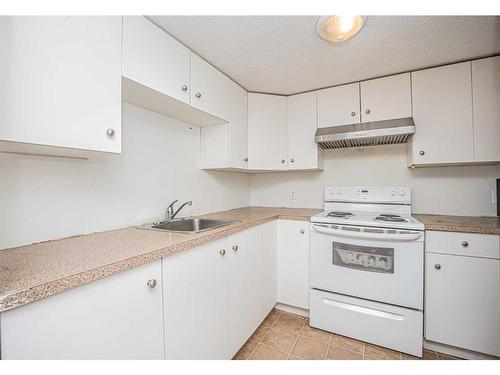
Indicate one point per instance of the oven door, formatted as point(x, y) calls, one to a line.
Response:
point(370, 263)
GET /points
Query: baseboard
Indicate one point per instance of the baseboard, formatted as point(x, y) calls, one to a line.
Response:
point(456, 352)
point(292, 309)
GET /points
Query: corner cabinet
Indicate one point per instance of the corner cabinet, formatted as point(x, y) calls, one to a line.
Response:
point(61, 85)
point(118, 317)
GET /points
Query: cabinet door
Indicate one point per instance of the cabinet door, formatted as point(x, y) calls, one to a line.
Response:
point(269, 267)
point(442, 111)
point(238, 126)
point(303, 152)
point(462, 302)
point(209, 88)
point(118, 317)
point(267, 132)
point(386, 98)
point(195, 300)
point(61, 81)
point(486, 99)
point(339, 106)
point(154, 59)
point(293, 263)
point(245, 286)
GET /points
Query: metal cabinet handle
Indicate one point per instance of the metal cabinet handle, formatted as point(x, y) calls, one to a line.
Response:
point(282, 161)
point(151, 283)
point(465, 244)
point(353, 114)
point(437, 266)
point(235, 247)
point(246, 159)
point(198, 95)
point(222, 252)
point(422, 153)
point(292, 160)
point(367, 111)
point(302, 231)
point(110, 132)
point(184, 88)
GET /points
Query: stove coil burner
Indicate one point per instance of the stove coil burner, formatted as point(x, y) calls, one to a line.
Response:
point(340, 214)
point(390, 217)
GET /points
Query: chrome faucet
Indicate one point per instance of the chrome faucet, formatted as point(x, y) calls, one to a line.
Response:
point(170, 209)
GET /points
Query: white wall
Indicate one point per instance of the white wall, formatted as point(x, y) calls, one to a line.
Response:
point(462, 190)
point(45, 198)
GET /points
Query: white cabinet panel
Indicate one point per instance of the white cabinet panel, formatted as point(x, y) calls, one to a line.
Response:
point(303, 151)
point(245, 286)
point(238, 126)
point(467, 244)
point(195, 300)
point(442, 111)
point(486, 99)
point(61, 83)
point(209, 88)
point(339, 106)
point(118, 317)
point(462, 302)
point(267, 132)
point(293, 263)
point(386, 98)
point(154, 59)
point(269, 266)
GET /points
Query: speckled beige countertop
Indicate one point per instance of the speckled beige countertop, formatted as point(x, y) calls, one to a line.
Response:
point(36, 271)
point(466, 224)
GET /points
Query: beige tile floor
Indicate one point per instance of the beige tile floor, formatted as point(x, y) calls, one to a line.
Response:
point(288, 336)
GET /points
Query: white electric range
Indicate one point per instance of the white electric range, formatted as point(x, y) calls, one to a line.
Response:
point(367, 261)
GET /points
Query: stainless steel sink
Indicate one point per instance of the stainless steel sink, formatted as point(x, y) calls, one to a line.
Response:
point(191, 225)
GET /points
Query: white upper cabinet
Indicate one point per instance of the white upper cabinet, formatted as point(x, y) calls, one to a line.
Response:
point(61, 84)
point(209, 88)
point(238, 126)
point(154, 59)
point(386, 98)
point(267, 132)
point(303, 151)
point(486, 102)
point(339, 106)
point(442, 111)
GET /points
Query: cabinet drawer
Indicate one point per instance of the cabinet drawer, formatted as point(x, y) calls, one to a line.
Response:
point(469, 244)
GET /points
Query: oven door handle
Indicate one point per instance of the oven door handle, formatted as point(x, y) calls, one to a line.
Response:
point(368, 236)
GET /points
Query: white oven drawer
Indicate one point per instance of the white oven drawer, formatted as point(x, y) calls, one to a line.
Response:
point(380, 270)
point(389, 326)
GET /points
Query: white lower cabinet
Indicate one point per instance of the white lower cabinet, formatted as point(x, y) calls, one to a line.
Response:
point(293, 243)
point(195, 300)
point(269, 266)
point(462, 300)
point(118, 317)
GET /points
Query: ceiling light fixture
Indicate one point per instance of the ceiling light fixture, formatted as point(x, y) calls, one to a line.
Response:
point(337, 29)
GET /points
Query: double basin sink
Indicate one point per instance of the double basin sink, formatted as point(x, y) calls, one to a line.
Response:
point(190, 225)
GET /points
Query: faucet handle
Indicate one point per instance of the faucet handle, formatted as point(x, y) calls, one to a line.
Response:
point(171, 205)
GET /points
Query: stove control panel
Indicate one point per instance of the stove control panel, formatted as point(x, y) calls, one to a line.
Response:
point(371, 194)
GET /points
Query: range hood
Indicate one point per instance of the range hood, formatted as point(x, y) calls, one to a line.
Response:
point(366, 134)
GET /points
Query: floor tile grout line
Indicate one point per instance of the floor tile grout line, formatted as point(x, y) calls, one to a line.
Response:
point(297, 339)
point(263, 337)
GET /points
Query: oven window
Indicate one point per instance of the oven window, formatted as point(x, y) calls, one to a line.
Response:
point(365, 258)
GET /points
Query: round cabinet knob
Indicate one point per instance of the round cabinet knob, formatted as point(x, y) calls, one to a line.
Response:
point(246, 159)
point(465, 244)
point(222, 252)
point(198, 95)
point(110, 132)
point(292, 160)
point(184, 88)
point(151, 283)
point(235, 247)
point(282, 161)
point(302, 231)
point(353, 114)
point(421, 153)
point(437, 266)
point(367, 111)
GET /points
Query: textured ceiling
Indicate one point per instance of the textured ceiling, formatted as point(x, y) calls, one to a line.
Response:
point(283, 55)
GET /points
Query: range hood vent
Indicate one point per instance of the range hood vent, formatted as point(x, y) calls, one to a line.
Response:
point(366, 134)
